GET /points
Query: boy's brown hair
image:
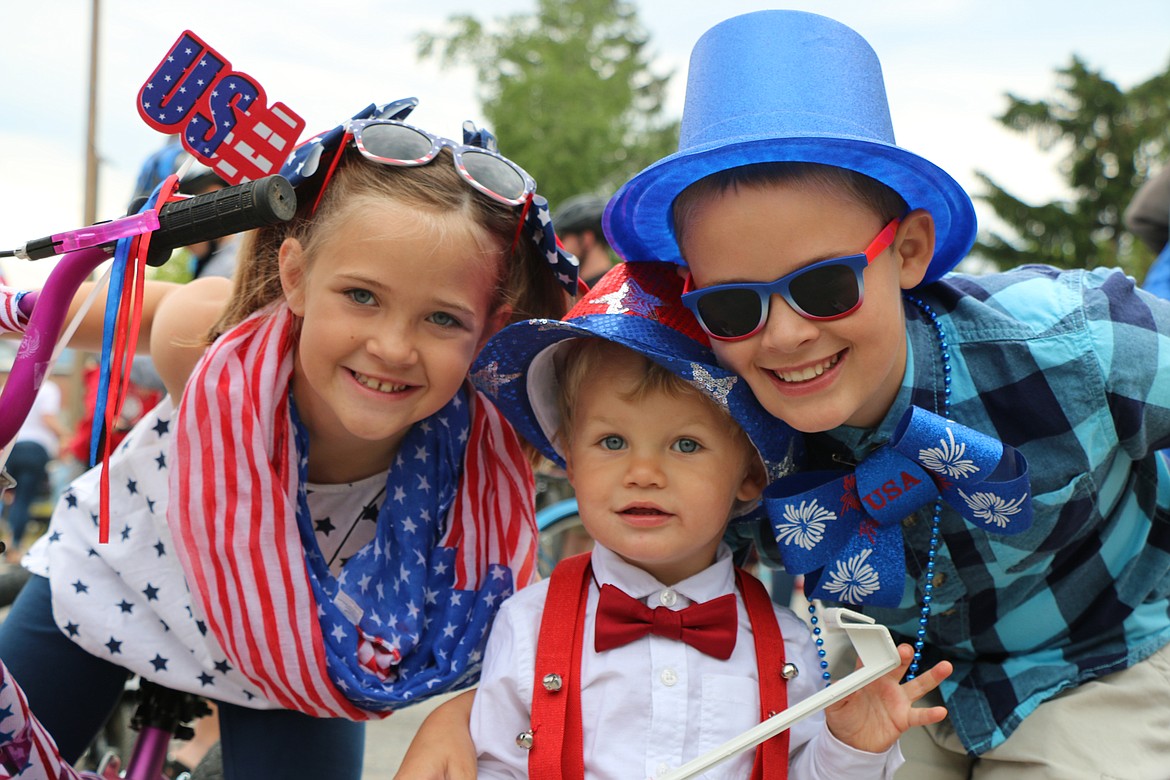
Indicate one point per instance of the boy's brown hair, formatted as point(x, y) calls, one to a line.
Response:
point(868, 192)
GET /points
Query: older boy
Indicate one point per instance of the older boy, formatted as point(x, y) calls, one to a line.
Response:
point(1050, 599)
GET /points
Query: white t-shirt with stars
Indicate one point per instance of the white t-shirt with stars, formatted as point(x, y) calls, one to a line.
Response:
point(127, 601)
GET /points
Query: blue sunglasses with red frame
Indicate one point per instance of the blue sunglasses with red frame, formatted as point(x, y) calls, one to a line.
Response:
point(826, 290)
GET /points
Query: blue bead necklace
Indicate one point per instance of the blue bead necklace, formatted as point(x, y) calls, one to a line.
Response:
point(935, 524)
point(936, 519)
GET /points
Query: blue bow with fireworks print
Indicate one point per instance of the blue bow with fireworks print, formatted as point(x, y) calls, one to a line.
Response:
point(843, 529)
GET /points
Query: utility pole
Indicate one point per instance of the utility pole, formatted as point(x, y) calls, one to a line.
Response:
point(91, 155)
point(72, 376)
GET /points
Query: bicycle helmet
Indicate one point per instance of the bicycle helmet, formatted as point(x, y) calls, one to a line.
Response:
point(580, 213)
point(167, 160)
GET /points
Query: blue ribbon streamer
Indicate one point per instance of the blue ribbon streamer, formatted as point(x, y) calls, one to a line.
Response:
point(109, 326)
point(842, 529)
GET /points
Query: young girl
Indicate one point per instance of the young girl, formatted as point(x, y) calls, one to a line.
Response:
point(347, 512)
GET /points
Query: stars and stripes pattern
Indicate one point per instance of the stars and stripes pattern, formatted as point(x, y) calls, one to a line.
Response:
point(12, 319)
point(127, 601)
point(26, 748)
point(562, 263)
point(282, 618)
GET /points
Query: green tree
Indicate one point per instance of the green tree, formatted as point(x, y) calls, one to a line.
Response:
point(568, 90)
point(1112, 139)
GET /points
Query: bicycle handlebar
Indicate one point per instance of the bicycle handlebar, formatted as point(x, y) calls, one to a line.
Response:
point(231, 210)
point(191, 220)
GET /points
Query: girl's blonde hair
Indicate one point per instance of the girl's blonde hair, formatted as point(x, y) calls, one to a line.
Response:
point(525, 282)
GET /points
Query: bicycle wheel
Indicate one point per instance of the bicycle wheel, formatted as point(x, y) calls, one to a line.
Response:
point(561, 534)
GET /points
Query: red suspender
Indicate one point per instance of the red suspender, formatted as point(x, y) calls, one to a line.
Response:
point(772, 756)
point(558, 748)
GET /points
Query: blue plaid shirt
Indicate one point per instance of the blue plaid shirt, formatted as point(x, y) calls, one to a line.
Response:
point(1072, 369)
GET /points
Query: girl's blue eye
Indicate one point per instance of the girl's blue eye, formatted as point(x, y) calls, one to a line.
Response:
point(613, 442)
point(360, 296)
point(445, 320)
point(687, 445)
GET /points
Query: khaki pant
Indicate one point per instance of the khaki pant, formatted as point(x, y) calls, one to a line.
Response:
point(1113, 728)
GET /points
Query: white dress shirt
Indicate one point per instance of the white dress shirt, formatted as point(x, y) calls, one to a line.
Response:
point(654, 704)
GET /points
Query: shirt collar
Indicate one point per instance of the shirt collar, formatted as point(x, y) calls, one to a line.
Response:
point(714, 581)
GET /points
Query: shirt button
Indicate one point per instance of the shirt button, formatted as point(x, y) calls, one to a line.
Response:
point(668, 598)
point(669, 677)
point(939, 579)
point(662, 769)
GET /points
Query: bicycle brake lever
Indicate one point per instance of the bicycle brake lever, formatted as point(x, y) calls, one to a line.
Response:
point(86, 237)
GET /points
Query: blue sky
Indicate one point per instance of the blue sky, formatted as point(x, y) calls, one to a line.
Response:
point(947, 65)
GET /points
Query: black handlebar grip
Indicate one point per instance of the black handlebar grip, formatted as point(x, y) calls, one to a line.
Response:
point(221, 213)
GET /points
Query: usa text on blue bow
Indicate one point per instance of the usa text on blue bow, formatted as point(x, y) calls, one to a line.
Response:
point(843, 529)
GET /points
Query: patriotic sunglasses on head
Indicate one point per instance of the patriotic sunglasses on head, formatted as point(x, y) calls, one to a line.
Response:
point(391, 142)
point(826, 290)
point(381, 136)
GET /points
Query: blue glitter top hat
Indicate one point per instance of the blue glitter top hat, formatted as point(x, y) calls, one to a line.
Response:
point(785, 86)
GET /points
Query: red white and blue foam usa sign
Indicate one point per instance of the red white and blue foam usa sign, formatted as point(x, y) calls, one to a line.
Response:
point(221, 115)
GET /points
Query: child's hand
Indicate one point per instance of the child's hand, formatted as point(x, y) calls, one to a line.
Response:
point(874, 717)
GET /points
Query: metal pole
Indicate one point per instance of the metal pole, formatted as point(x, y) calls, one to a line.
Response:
point(72, 380)
point(91, 155)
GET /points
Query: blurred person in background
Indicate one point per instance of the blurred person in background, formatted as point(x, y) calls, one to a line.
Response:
point(1148, 217)
point(578, 222)
point(36, 444)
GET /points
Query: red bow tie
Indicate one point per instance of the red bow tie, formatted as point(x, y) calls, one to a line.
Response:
point(709, 627)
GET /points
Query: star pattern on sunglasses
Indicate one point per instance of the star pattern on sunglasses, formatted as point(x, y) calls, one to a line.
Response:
point(312, 158)
point(490, 380)
point(630, 299)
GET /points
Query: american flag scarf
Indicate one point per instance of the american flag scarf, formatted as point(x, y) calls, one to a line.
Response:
point(26, 747)
point(408, 616)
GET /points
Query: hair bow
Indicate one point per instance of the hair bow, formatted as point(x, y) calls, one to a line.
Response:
point(845, 527)
point(563, 264)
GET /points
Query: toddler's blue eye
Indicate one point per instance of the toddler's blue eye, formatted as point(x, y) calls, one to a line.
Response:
point(613, 442)
point(687, 445)
point(445, 320)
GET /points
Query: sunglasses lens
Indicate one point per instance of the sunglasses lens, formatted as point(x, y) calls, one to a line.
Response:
point(492, 173)
point(729, 314)
point(395, 142)
point(826, 291)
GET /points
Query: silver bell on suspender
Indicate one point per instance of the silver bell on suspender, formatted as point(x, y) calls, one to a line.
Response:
point(789, 671)
point(524, 739)
point(552, 682)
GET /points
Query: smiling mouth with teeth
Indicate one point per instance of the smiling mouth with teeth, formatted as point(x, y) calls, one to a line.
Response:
point(374, 384)
point(811, 372)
